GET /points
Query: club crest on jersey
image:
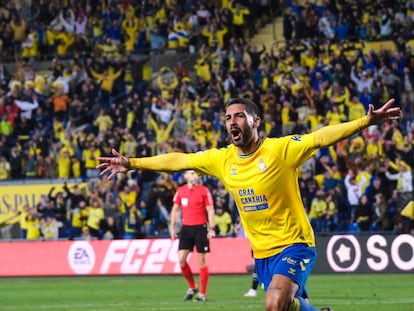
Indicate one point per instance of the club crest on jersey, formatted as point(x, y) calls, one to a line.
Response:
point(297, 138)
point(262, 165)
point(233, 171)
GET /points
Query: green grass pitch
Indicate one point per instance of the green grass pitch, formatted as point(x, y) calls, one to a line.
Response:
point(349, 292)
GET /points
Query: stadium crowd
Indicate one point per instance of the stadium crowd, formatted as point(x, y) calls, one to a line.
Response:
point(93, 97)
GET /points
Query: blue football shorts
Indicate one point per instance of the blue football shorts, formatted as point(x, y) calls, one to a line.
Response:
point(295, 262)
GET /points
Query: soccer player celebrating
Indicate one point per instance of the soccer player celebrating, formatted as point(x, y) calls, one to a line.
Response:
point(262, 176)
point(194, 200)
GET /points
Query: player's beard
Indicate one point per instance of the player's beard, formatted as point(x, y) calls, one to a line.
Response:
point(242, 139)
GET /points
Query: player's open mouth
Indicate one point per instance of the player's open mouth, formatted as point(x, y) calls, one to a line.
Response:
point(235, 134)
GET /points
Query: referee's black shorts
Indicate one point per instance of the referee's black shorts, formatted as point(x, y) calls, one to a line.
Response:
point(194, 235)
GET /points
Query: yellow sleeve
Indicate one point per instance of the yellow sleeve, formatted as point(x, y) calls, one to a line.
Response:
point(404, 164)
point(153, 124)
point(124, 24)
point(168, 162)
point(174, 83)
point(159, 82)
point(394, 165)
point(332, 134)
point(204, 163)
point(205, 32)
point(116, 75)
point(170, 127)
point(96, 75)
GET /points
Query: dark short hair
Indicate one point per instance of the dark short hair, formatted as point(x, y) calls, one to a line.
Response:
point(251, 107)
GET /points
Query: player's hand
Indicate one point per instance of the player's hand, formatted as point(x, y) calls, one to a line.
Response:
point(384, 114)
point(113, 165)
point(211, 234)
point(173, 234)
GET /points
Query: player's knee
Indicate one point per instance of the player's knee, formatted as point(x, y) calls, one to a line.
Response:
point(272, 304)
point(182, 261)
point(203, 263)
point(202, 260)
point(276, 303)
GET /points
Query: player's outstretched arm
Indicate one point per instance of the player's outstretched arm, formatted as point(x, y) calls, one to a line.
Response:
point(169, 162)
point(330, 135)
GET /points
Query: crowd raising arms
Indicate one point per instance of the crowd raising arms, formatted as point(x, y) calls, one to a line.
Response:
point(261, 174)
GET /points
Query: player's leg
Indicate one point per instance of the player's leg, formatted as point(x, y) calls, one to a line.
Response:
point(185, 245)
point(284, 277)
point(204, 276)
point(203, 247)
point(188, 274)
point(281, 296)
point(252, 292)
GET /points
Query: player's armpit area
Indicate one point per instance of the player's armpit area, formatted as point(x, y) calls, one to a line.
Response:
point(330, 135)
point(169, 162)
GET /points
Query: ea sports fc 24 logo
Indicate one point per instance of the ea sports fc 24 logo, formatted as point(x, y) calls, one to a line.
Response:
point(347, 253)
point(124, 257)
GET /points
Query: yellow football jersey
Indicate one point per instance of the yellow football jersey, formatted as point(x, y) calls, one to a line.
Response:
point(265, 188)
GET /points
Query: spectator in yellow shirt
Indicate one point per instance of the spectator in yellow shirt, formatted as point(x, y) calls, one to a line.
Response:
point(215, 34)
point(334, 116)
point(314, 120)
point(162, 131)
point(64, 41)
point(128, 198)
point(288, 121)
point(172, 38)
point(18, 26)
point(374, 148)
point(78, 219)
point(23, 221)
point(33, 225)
point(89, 157)
point(63, 164)
point(203, 70)
point(130, 27)
point(95, 215)
point(107, 80)
point(30, 45)
point(338, 95)
point(104, 121)
point(76, 166)
point(4, 168)
point(356, 110)
point(129, 145)
point(317, 208)
point(238, 12)
point(308, 59)
point(223, 221)
point(166, 81)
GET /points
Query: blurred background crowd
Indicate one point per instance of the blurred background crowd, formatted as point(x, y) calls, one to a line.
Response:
point(76, 81)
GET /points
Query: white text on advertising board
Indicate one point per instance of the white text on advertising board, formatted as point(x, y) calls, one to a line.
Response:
point(345, 254)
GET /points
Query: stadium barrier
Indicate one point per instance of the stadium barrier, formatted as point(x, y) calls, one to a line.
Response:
point(337, 254)
point(146, 256)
